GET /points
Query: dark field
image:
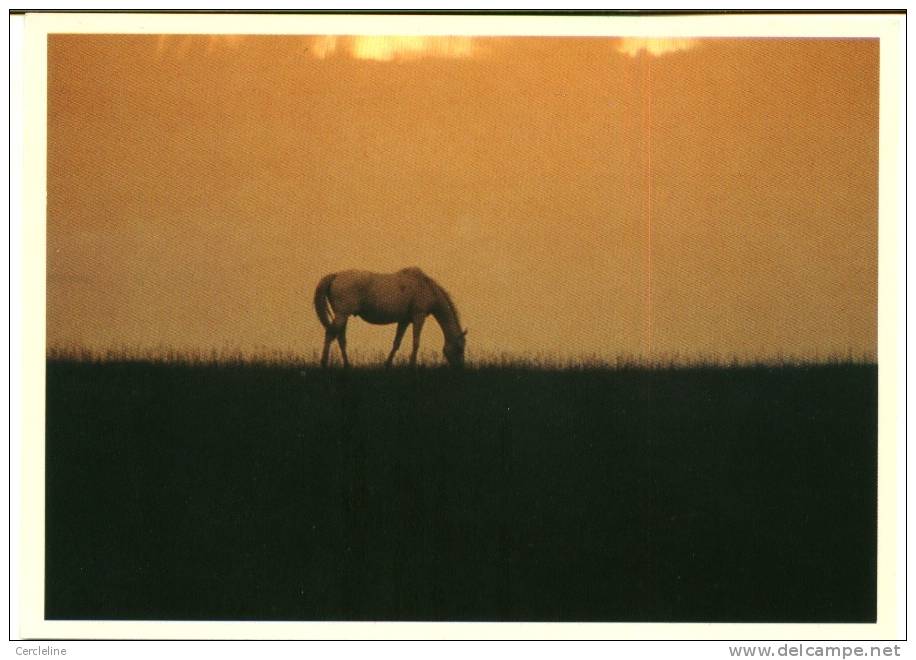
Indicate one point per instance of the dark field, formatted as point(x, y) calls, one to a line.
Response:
point(269, 493)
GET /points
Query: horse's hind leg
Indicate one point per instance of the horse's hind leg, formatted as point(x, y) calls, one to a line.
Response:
point(325, 352)
point(341, 333)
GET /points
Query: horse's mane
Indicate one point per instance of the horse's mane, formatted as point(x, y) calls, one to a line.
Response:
point(449, 302)
point(445, 295)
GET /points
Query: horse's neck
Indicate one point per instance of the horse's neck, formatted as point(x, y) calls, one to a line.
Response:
point(446, 316)
point(448, 322)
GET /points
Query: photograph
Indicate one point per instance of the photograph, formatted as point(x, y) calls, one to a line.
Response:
point(460, 322)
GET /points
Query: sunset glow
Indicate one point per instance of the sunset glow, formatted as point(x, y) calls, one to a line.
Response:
point(713, 197)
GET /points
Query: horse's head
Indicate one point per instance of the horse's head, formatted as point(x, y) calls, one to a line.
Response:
point(454, 349)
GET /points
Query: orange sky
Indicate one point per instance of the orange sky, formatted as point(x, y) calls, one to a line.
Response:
point(575, 195)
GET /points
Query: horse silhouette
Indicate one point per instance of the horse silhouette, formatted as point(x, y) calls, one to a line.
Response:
point(405, 297)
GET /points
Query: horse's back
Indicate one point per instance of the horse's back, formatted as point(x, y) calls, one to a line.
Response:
point(350, 279)
point(378, 297)
point(413, 271)
point(366, 281)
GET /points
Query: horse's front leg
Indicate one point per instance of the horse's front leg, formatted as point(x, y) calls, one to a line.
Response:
point(417, 329)
point(398, 336)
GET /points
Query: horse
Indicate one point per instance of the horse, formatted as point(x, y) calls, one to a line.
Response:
point(405, 297)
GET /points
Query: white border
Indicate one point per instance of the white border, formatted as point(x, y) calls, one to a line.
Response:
point(887, 27)
point(16, 138)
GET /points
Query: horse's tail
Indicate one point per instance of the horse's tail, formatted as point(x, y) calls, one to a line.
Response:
point(322, 305)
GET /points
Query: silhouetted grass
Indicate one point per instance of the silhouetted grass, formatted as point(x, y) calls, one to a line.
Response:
point(202, 487)
point(431, 360)
point(182, 357)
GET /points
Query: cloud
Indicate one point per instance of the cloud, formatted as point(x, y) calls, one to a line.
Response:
point(385, 48)
point(655, 46)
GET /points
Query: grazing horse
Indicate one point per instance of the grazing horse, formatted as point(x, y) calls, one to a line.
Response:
point(405, 297)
